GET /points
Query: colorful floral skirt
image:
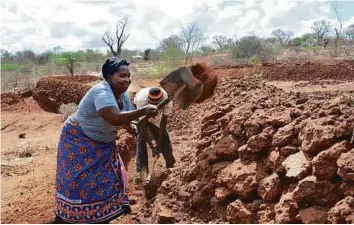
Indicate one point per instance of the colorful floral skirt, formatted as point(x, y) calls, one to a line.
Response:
point(91, 181)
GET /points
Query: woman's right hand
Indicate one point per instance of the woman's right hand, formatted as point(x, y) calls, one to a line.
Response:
point(150, 110)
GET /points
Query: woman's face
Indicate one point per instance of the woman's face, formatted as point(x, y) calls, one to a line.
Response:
point(121, 79)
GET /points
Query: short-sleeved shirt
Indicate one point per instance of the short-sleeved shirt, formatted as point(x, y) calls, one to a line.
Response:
point(142, 99)
point(92, 124)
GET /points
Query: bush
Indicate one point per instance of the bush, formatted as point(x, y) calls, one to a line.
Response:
point(250, 46)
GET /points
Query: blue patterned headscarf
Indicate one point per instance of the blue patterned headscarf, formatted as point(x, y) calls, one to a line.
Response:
point(112, 65)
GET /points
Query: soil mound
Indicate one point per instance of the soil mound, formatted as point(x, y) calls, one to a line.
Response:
point(51, 92)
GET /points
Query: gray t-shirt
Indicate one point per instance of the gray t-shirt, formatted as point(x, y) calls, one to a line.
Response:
point(92, 124)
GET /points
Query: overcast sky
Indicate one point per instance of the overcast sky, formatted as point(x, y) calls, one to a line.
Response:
point(40, 25)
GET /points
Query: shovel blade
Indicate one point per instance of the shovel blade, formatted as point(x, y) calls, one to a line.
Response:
point(181, 84)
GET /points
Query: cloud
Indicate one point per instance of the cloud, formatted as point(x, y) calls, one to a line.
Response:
point(60, 30)
point(78, 24)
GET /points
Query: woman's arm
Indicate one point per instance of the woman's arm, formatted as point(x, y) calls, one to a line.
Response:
point(115, 117)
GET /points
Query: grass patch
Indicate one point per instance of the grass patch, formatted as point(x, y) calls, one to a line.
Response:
point(9, 67)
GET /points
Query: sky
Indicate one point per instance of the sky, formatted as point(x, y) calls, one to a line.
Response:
point(40, 25)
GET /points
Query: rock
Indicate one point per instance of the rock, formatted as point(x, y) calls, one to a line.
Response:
point(221, 193)
point(311, 189)
point(297, 165)
point(239, 178)
point(286, 210)
point(237, 212)
point(266, 214)
point(252, 127)
point(283, 136)
point(324, 165)
point(346, 165)
point(213, 116)
point(342, 212)
point(162, 214)
point(236, 126)
point(347, 188)
point(288, 150)
point(343, 129)
point(314, 215)
point(315, 138)
point(259, 142)
point(274, 161)
point(269, 187)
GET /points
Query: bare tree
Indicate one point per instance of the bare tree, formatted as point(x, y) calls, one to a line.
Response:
point(320, 30)
point(283, 36)
point(337, 30)
point(192, 36)
point(116, 42)
point(222, 41)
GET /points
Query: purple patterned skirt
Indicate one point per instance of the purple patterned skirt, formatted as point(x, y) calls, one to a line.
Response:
point(91, 181)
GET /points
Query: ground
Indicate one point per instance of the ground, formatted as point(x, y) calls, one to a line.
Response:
point(29, 137)
point(28, 180)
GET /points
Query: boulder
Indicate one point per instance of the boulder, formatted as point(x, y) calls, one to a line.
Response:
point(346, 166)
point(237, 212)
point(342, 212)
point(297, 165)
point(269, 187)
point(324, 165)
point(314, 215)
point(315, 138)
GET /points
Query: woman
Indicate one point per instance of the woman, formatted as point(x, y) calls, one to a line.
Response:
point(91, 182)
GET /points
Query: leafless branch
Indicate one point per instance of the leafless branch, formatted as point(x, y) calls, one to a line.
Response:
point(120, 37)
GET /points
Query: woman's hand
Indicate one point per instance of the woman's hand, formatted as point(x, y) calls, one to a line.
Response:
point(150, 110)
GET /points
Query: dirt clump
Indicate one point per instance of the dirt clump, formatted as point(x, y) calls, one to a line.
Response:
point(207, 76)
point(50, 92)
point(126, 144)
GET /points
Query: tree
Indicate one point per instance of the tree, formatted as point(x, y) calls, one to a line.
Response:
point(119, 39)
point(222, 42)
point(70, 60)
point(283, 36)
point(250, 46)
point(5, 55)
point(338, 29)
point(320, 30)
point(350, 32)
point(172, 41)
point(205, 49)
point(192, 36)
point(147, 54)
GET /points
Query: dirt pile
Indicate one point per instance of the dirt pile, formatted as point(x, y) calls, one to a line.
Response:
point(336, 70)
point(262, 156)
point(51, 92)
point(10, 98)
point(126, 144)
